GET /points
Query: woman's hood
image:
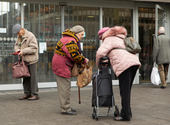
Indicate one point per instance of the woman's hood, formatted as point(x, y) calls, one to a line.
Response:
point(118, 31)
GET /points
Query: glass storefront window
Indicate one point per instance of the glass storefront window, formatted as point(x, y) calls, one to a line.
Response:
point(146, 29)
point(118, 17)
point(45, 22)
point(160, 18)
point(10, 14)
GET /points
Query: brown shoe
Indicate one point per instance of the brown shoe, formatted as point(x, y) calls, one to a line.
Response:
point(24, 97)
point(33, 98)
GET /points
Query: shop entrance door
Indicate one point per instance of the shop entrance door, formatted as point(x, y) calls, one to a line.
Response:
point(150, 19)
point(146, 21)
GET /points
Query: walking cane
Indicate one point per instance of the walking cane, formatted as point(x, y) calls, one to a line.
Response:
point(79, 95)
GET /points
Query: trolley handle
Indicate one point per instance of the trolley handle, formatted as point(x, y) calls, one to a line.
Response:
point(103, 59)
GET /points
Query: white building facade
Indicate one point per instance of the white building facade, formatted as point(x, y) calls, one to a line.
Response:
point(48, 19)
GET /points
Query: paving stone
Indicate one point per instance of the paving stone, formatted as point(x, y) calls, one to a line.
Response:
point(150, 106)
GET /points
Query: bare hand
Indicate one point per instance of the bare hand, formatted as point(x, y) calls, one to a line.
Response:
point(18, 50)
point(21, 53)
point(87, 60)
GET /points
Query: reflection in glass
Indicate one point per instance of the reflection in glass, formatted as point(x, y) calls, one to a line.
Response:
point(9, 16)
point(44, 21)
point(146, 29)
point(88, 17)
point(118, 17)
point(160, 18)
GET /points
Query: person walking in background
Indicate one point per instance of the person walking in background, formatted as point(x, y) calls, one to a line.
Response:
point(26, 45)
point(124, 65)
point(67, 52)
point(161, 55)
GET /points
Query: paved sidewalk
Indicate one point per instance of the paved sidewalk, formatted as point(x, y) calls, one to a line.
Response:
point(150, 106)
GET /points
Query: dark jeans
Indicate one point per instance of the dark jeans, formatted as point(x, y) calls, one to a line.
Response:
point(125, 84)
point(30, 83)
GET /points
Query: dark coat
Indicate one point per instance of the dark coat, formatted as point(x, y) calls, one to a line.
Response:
point(161, 49)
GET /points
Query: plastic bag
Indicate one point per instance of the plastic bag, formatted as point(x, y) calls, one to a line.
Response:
point(155, 78)
point(84, 76)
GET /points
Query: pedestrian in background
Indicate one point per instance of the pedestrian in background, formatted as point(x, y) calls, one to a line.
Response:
point(124, 65)
point(26, 45)
point(67, 52)
point(161, 55)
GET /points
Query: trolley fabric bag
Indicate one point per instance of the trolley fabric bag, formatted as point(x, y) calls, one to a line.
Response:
point(20, 69)
point(102, 87)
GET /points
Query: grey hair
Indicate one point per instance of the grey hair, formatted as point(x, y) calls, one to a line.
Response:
point(161, 29)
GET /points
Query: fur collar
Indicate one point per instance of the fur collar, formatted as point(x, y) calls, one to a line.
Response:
point(118, 31)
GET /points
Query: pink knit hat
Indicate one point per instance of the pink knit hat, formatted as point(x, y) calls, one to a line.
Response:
point(100, 33)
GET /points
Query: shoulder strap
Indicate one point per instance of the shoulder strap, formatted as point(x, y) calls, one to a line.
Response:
point(117, 48)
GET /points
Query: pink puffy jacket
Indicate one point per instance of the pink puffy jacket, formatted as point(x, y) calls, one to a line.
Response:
point(120, 59)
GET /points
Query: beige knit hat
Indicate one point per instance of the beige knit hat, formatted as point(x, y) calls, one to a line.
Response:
point(77, 29)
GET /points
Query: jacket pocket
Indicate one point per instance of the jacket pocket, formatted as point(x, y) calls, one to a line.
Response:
point(30, 58)
point(70, 65)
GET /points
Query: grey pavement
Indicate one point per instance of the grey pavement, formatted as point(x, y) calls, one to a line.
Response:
point(150, 106)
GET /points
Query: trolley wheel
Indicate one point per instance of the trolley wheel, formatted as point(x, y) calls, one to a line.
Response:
point(96, 117)
point(94, 113)
point(116, 112)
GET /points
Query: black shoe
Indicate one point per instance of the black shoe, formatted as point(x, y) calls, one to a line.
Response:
point(119, 118)
point(73, 110)
point(69, 113)
point(163, 87)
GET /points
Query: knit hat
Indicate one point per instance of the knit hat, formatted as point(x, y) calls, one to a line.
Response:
point(77, 29)
point(100, 33)
point(16, 28)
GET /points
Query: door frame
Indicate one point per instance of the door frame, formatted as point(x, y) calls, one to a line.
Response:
point(157, 6)
point(136, 29)
point(152, 5)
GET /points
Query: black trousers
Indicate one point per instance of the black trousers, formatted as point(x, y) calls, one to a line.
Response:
point(125, 84)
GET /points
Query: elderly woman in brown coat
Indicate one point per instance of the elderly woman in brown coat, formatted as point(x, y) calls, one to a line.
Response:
point(26, 45)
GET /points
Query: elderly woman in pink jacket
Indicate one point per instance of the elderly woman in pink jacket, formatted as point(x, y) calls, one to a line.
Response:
point(124, 65)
